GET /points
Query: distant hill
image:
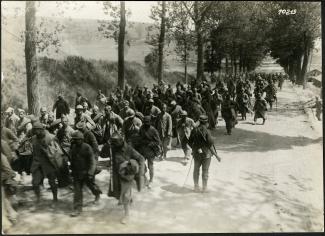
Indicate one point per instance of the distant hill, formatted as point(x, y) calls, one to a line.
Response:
point(80, 38)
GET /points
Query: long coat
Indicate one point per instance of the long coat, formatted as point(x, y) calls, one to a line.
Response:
point(165, 125)
point(120, 155)
point(40, 154)
point(149, 142)
point(260, 108)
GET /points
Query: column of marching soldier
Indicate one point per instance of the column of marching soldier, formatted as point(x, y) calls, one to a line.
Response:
point(132, 128)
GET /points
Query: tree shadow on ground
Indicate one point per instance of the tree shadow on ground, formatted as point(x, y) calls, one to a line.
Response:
point(293, 213)
point(243, 140)
point(173, 188)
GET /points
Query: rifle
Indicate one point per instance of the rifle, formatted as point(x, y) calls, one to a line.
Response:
point(212, 151)
point(111, 174)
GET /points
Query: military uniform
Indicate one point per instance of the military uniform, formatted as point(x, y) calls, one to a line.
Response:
point(228, 113)
point(260, 109)
point(61, 107)
point(149, 144)
point(184, 128)
point(83, 166)
point(42, 165)
point(202, 145)
point(165, 128)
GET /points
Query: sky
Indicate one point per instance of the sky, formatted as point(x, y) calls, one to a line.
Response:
point(140, 10)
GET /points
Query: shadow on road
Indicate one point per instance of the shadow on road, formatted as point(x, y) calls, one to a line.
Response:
point(294, 213)
point(173, 188)
point(255, 141)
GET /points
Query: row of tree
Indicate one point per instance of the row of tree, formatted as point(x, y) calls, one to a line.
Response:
point(240, 34)
point(237, 34)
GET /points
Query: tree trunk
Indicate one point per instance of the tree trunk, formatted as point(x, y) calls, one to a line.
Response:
point(185, 61)
point(236, 64)
point(298, 70)
point(200, 53)
point(226, 64)
point(307, 50)
point(33, 99)
point(161, 42)
point(291, 70)
point(121, 39)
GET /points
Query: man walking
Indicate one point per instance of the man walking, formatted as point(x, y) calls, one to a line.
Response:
point(165, 128)
point(43, 164)
point(203, 149)
point(83, 166)
point(61, 106)
point(149, 144)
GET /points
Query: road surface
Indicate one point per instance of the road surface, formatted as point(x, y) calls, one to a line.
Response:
point(270, 179)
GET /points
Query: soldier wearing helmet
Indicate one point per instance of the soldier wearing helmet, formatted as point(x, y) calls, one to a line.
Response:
point(83, 166)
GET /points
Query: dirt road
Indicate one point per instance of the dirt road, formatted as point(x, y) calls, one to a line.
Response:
point(270, 179)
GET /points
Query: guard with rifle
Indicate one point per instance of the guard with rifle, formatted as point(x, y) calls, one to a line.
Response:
point(203, 149)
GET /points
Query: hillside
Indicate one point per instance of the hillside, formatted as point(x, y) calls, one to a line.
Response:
point(70, 75)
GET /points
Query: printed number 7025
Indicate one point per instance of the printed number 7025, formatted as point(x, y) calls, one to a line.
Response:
point(287, 12)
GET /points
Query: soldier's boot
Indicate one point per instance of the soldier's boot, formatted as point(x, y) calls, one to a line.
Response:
point(37, 192)
point(97, 197)
point(125, 218)
point(196, 188)
point(205, 186)
point(263, 122)
point(55, 194)
point(75, 213)
point(55, 197)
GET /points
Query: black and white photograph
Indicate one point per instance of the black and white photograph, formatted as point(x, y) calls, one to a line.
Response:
point(138, 117)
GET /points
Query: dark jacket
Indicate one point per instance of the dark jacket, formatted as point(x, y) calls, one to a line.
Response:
point(201, 139)
point(149, 143)
point(61, 107)
point(120, 155)
point(83, 161)
point(90, 139)
point(41, 158)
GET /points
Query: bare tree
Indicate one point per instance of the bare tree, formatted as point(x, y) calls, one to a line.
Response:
point(31, 59)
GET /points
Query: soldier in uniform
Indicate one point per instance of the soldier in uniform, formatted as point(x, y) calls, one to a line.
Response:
point(89, 138)
point(111, 123)
point(260, 108)
point(42, 165)
point(61, 106)
point(131, 127)
point(152, 110)
point(127, 165)
point(184, 128)
point(11, 120)
point(149, 144)
point(64, 135)
point(242, 102)
point(228, 113)
point(23, 125)
point(203, 149)
point(164, 127)
point(126, 107)
point(175, 111)
point(83, 166)
point(44, 117)
point(97, 117)
point(81, 116)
